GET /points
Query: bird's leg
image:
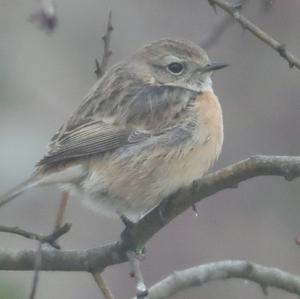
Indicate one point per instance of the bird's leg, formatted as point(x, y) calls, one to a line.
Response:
point(135, 256)
point(134, 259)
point(126, 235)
point(195, 210)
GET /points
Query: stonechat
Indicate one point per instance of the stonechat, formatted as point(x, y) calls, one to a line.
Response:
point(150, 125)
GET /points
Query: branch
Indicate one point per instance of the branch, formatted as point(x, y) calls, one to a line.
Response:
point(199, 275)
point(59, 219)
point(37, 266)
point(50, 239)
point(232, 10)
point(101, 67)
point(107, 294)
point(137, 235)
point(228, 177)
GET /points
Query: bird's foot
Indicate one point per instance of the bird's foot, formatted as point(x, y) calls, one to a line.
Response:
point(134, 258)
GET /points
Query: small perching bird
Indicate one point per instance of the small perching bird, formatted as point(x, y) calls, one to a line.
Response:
point(150, 125)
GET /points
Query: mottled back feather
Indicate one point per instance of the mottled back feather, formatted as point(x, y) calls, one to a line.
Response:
point(116, 114)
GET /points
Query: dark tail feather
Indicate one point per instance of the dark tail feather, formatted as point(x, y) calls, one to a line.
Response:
point(18, 190)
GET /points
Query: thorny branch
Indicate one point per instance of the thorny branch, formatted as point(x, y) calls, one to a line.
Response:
point(218, 30)
point(101, 67)
point(233, 10)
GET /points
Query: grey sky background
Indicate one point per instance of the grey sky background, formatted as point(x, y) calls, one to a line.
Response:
point(44, 77)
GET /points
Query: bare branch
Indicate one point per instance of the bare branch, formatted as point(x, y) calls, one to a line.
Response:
point(199, 275)
point(93, 260)
point(101, 67)
point(50, 239)
point(107, 294)
point(37, 266)
point(228, 177)
point(292, 60)
point(58, 229)
point(61, 210)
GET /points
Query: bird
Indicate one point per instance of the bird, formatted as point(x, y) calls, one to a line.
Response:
point(150, 125)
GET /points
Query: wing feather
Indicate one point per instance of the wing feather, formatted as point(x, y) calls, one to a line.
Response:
point(145, 112)
point(91, 139)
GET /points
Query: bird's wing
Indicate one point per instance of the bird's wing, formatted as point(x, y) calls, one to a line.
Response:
point(90, 139)
point(116, 117)
point(124, 98)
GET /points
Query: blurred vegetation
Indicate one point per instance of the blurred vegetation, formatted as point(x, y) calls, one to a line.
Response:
point(9, 290)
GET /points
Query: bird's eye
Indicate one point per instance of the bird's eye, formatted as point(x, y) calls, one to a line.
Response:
point(175, 68)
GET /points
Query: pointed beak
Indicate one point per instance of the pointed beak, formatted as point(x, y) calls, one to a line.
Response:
point(213, 66)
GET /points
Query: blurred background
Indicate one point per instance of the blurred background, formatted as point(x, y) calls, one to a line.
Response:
point(43, 77)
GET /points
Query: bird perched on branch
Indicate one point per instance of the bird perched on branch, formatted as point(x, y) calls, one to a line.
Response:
point(150, 125)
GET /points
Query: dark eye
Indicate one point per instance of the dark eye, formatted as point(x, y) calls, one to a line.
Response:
point(175, 67)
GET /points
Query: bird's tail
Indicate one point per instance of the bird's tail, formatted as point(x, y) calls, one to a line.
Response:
point(18, 190)
point(42, 178)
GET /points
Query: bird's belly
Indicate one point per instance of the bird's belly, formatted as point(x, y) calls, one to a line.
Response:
point(136, 182)
point(136, 187)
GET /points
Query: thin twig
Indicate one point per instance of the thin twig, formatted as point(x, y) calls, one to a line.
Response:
point(37, 266)
point(107, 294)
point(50, 239)
point(217, 32)
point(292, 60)
point(101, 67)
point(61, 210)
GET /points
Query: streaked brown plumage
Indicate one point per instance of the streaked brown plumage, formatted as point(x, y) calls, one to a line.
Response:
point(151, 125)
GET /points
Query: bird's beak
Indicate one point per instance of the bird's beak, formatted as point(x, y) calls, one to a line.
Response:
point(213, 66)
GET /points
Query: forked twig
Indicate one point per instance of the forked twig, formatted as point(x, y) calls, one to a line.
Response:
point(50, 238)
